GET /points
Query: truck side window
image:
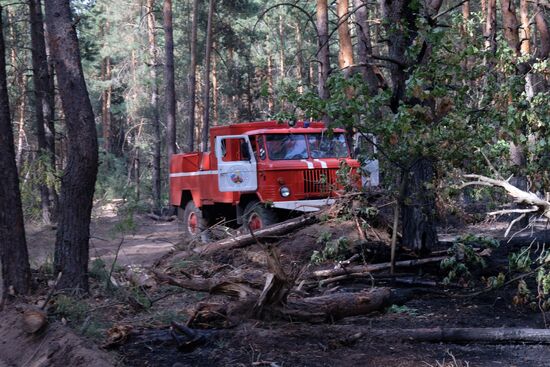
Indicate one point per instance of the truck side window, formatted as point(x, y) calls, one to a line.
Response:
point(261, 147)
point(234, 150)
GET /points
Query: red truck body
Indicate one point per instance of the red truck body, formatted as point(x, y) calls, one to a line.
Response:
point(293, 168)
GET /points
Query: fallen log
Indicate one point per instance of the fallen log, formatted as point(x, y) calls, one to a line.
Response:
point(467, 335)
point(339, 305)
point(374, 267)
point(248, 239)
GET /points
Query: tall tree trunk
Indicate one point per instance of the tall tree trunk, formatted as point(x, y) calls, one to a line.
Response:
point(78, 182)
point(510, 24)
point(190, 143)
point(525, 29)
point(490, 30)
point(153, 54)
point(282, 56)
point(544, 33)
point(270, 99)
point(14, 258)
point(323, 57)
point(299, 58)
point(44, 109)
point(170, 87)
point(215, 94)
point(206, 116)
point(418, 206)
point(106, 105)
point(364, 46)
point(345, 55)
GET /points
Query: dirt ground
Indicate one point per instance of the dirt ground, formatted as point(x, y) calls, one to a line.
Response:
point(251, 342)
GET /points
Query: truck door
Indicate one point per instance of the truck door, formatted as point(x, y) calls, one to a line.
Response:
point(236, 164)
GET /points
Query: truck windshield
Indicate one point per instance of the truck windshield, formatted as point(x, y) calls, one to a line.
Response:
point(280, 146)
point(324, 146)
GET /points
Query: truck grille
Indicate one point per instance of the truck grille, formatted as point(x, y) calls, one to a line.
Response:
point(319, 180)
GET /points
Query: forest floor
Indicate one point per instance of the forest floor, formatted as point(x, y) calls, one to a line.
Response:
point(133, 320)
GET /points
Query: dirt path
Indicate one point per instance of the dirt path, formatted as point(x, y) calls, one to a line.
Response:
point(145, 239)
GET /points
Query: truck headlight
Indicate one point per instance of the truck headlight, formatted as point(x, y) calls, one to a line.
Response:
point(284, 191)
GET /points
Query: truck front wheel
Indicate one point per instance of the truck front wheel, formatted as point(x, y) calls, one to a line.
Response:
point(257, 216)
point(194, 224)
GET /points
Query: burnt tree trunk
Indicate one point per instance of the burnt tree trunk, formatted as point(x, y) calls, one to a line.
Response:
point(77, 185)
point(14, 258)
point(206, 111)
point(418, 206)
point(364, 46)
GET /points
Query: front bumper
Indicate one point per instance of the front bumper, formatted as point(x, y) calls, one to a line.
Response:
point(303, 205)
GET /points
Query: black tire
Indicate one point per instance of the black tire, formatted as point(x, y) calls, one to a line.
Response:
point(195, 225)
point(261, 216)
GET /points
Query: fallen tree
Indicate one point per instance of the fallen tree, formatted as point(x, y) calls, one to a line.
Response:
point(362, 269)
point(536, 204)
point(467, 335)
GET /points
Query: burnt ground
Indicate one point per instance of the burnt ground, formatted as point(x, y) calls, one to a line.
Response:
point(251, 342)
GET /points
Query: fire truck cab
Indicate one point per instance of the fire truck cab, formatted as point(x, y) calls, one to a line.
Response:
point(255, 172)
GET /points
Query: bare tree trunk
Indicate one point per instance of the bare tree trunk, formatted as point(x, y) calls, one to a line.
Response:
point(510, 24)
point(192, 80)
point(106, 104)
point(282, 56)
point(323, 57)
point(490, 31)
point(299, 58)
point(525, 30)
point(544, 33)
point(153, 54)
point(270, 99)
point(215, 94)
point(14, 258)
point(364, 46)
point(345, 55)
point(418, 207)
point(206, 112)
point(44, 109)
point(78, 182)
point(170, 86)
point(170, 91)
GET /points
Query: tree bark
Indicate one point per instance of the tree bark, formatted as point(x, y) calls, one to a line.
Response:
point(44, 107)
point(345, 55)
point(525, 29)
point(490, 31)
point(418, 206)
point(190, 141)
point(14, 258)
point(206, 111)
point(510, 24)
point(78, 182)
point(544, 33)
point(153, 54)
point(323, 57)
point(170, 87)
point(364, 46)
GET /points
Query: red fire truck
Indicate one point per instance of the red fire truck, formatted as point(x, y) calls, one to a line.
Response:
point(257, 171)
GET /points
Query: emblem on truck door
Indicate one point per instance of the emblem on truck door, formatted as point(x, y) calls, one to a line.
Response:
point(236, 177)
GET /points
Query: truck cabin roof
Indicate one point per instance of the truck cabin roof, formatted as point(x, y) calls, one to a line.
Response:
point(270, 127)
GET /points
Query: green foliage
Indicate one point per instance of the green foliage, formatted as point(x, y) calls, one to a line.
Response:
point(463, 258)
point(71, 308)
point(402, 310)
point(496, 282)
point(520, 261)
point(332, 250)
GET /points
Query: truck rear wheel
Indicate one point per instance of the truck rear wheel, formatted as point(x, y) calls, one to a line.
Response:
point(257, 216)
point(194, 223)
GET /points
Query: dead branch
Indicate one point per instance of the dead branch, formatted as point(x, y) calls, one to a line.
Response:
point(519, 196)
point(374, 267)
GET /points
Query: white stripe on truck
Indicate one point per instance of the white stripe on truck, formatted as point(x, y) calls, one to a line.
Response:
point(198, 173)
